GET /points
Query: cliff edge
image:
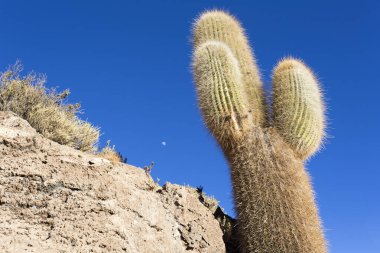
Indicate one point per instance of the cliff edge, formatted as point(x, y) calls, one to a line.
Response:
point(56, 199)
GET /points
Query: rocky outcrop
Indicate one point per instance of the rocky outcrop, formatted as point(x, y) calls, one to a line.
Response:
point(57, 199)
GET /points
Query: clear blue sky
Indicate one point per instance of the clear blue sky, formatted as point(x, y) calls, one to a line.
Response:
point(128, 63)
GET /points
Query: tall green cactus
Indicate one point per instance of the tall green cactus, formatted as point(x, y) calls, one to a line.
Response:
point(273, 195)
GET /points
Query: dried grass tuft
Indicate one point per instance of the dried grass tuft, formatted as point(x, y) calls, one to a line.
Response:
point(109, 153)
point(46, 109)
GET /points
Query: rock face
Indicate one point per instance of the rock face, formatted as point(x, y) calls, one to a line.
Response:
point(57, 199)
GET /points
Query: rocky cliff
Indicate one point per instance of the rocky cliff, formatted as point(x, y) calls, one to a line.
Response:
point(57, 199)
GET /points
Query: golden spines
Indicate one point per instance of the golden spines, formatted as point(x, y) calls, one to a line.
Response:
point(220, 92)
point(219, 26)
point(298, 111)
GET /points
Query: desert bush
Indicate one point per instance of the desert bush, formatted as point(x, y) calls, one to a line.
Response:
point(109, 153)
point(46, 109)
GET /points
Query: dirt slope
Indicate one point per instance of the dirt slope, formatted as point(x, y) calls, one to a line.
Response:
point(56, 199)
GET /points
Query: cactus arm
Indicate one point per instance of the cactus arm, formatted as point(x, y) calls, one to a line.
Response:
point(298, 111)
point(218, 82)
point(219, 26)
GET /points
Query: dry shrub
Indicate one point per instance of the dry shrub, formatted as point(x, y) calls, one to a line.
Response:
point(46, 109)
point(109, 153)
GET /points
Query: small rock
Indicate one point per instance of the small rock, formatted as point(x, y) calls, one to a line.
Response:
point(98, 161)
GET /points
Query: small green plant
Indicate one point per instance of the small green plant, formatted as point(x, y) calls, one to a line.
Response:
point(265, 148)
point(46, 109)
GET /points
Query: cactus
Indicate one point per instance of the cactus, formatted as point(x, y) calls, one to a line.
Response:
point(273, 195)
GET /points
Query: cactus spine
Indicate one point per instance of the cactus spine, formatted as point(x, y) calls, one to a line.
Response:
point(273, 195)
